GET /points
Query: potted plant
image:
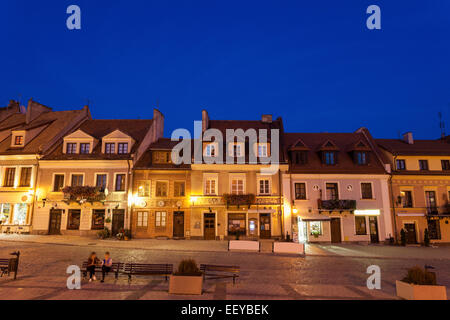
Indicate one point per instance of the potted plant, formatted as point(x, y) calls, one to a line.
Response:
point(187, 280)
point(420, 284)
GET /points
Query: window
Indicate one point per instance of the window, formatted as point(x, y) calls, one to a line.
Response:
point(142, 219)
point(162, 157)
point(77, 180)
point(423, 164)
point(160, 219)
point(434, 229)
point(237, 150)
point(161, 188)
point(71, 148)
point(101, 181)
point(236, 223)
point(262, 150)
point(430, 197)
point(264, 186)
point(360, 225)
point(98, 219)
point(122, 148)
point(366, 190)
point(300, 191)
point(237, 186)
point(178, 189)
point(400, 164)
point(361, 157)
point(18, 140)
point(58, 182)
point(210, 150)
point(120, 182)
point(73, 219)
point(301, 157)
point(329, 158)
point(110, 148)
point(332, 191)
point(144, 189)
point(445, 164)
point(25, 177)
point(406, 197)
point(84, 147)
point(10, 174)
point(210, 186)
point(5, 211)
point(315, 228)
point(20, 213)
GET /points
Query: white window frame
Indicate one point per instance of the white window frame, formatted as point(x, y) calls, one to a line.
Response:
point(140, 215)
point(215, 177)
point(264, 178)
point(160, 225)
point(238, 176)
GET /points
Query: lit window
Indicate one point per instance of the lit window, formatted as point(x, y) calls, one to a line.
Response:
point(178, 189)
point(161, 188)
point(10, 174)
point(144, 189)
point(360, 225)
point(160, 219)
point(20, 213)
point(122, 148)
point(142, 218)
point(84, 147)
point(18, 140)
point(315, 228)
point(98, 219)
point(71, 148)
point(264, 186)
point(210, 187)
point(5, 211)
point(25, 177)
point(237, 186)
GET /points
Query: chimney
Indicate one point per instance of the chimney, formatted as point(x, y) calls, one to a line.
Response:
point(408, 138)
point(34, 110)
point(13, 104)
point(266, 118)
point(205, 120)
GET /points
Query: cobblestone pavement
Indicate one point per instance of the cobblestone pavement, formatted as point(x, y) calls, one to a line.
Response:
point(263, 276)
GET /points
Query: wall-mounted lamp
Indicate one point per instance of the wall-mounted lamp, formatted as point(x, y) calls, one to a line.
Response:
point(43, 202)
point(193, 199)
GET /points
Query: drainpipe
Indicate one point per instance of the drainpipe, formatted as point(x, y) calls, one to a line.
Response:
point(34, 194)
point(130, 188)
point(281, 199)
point(393, 201)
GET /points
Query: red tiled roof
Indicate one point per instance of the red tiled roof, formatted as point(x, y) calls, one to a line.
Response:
point(419, 147)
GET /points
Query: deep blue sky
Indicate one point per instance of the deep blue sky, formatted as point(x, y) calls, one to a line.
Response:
point(314, 63)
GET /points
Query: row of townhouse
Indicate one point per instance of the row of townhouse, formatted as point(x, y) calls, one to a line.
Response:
point(62, 172)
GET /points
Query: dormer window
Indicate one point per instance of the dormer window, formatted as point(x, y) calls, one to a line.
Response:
point(18, 140)
point(210, 150)
point(122, 148)
point(361, 158)
point(329, 158)
point(109, 147)
point(300, 157)
point(84, 148)
point(71, 148)
point(262, 150)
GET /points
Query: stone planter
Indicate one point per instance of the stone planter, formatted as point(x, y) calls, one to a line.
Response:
point(185, 284)
point(420, 292)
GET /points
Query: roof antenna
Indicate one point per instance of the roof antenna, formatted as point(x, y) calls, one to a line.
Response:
point(441, 125)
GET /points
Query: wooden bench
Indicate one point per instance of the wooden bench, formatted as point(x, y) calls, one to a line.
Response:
point(7, 266)
point(116, 268)
point(211, 271)
point(145, 269)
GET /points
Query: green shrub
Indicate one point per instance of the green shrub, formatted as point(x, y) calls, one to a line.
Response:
point(426, 238)
point(188, 267)
point(103, 234)
point(403, 237)
point(417, 275)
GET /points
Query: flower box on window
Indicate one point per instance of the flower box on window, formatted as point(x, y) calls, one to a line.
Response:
point(239, 199)
point(337, 204)
point(82, 194)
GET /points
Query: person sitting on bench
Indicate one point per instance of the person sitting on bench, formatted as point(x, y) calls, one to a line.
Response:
point(93, 261)
point(106, 265)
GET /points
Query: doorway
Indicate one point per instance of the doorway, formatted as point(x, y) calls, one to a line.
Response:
point(55, 221)
point(178, 224)
point(373, 228)
point(118, 220)
point(265, 226)
point(335, 225)
point(209, 226)
point(411, 235)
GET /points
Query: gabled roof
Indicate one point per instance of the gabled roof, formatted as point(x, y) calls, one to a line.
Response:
point(299, 145)
point(420, 147)
point(162, 144)
point(343, 143)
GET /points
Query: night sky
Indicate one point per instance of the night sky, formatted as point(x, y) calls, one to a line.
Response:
point(314, 63)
